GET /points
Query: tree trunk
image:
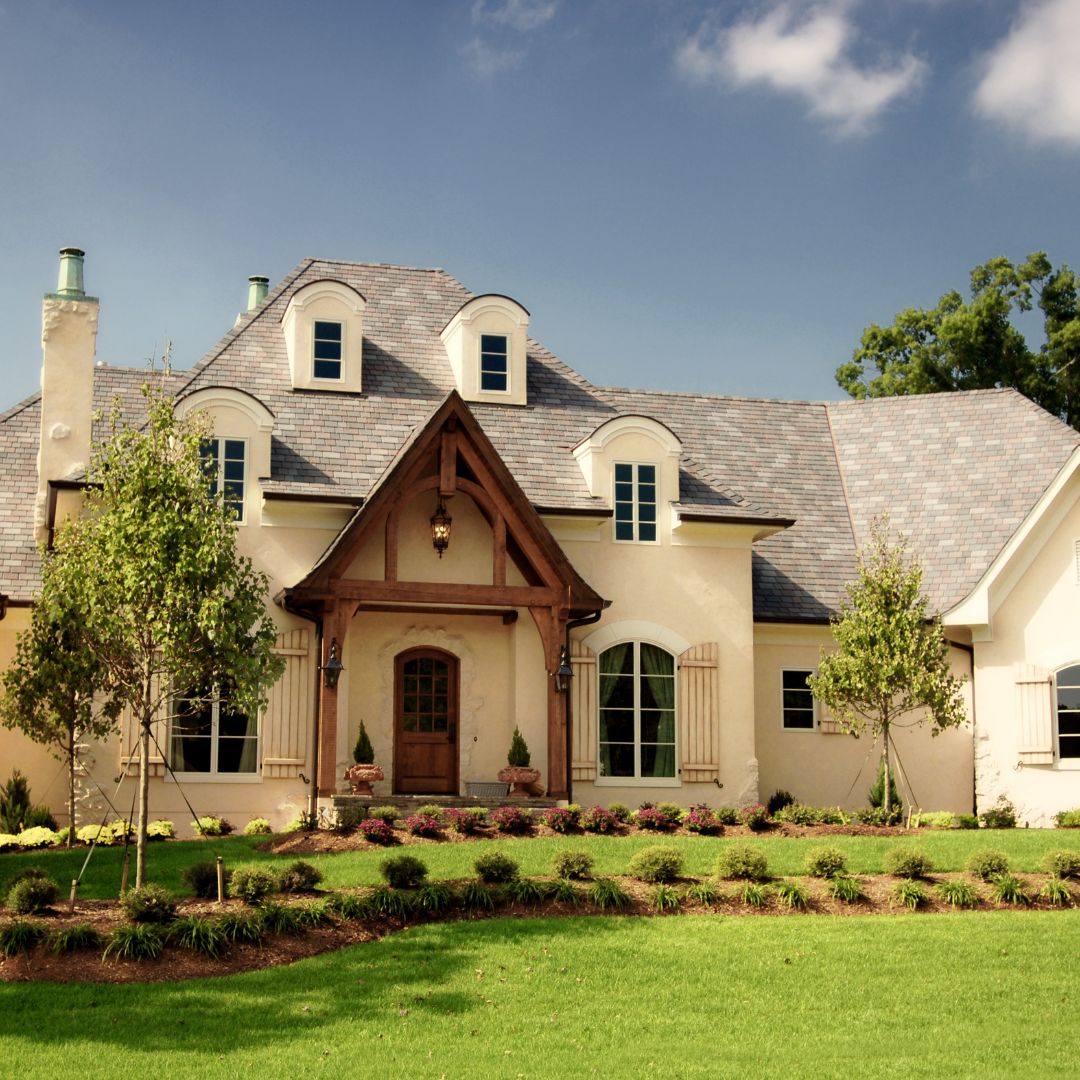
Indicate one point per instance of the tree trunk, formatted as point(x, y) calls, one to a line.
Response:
point(71, 789)
point(886, 799)
point(144, 801)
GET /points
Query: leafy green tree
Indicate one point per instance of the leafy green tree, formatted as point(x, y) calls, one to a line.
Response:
point(167, 604)
point(891, 664)
point(49, 691)
point(973, 345)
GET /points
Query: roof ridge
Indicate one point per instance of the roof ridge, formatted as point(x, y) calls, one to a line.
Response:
point(711, 397)
point(383, 266)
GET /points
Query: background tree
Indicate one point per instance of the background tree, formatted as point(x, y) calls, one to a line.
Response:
point(891, 660)
point(973, 345)
point(49, 689)
point(168, 606)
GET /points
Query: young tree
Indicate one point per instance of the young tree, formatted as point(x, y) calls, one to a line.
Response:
point(168, 607)
point(961, 345)
point(891, 659)
point(49, 691)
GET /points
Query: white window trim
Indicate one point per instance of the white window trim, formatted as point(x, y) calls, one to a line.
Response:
point(341, 361)
point(813, 704)
point(481, 334)
point(1068, 764)
point(212, 776)
point(640, 781)
point(656, 524)
point(221, 439)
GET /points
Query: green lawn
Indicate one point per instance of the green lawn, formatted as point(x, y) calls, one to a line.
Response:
point(948, 849)
point(974, 995)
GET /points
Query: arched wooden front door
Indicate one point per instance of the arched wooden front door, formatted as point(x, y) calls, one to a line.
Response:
point(426, 722)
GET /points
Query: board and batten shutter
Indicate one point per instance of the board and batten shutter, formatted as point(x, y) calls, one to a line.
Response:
point(1034, 714)
point(287, 720)
point(585, 711)
point(699, 713)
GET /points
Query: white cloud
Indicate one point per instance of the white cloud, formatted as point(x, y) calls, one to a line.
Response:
point(487, 61)
point(802, 49)
point(521, 15)
point(1031, 80)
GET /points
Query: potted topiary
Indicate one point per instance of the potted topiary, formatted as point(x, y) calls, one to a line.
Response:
point(361, 775)
point(517, 772)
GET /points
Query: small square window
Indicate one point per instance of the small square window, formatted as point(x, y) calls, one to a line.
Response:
point(327, 350)
point(798, 701)
point(494, 362)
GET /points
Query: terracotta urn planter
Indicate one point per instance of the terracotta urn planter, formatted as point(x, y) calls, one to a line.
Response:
point(360, 777)
point(523, 778)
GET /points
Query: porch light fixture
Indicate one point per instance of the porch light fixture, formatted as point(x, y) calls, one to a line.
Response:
point(440, 528)
point(563, 673)
point(333, 667)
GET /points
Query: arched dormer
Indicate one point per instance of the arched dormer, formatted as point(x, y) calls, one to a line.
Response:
point(485, 344)
point(634, 462)
point(324, 337)
point(240, 445)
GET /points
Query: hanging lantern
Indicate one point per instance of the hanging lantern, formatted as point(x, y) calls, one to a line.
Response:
point(333, 667)
point(563, 673)
point(440, 529)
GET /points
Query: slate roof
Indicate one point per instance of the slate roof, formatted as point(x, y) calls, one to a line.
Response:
point(957, 471)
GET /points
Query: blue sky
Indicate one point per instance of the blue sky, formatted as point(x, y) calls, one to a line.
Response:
point(694, 196)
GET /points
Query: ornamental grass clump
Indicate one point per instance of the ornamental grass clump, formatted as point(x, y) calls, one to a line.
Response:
point(299, 877)
point(987, 864)
point(846, 889)
point(245, 927)
point(559, 819)
point(598, 820)
point(135, 941)
point(422, 824)
point(510, 819)
point(753, 894)
point(793, 895)
point(1056, 893)
point(908, 862)
point(19, 936)
point(252, 884)
point(476, 896)
point(74, 938)
point(315, 915)
point(653, 819)
point(403, 871)
point(702, 820)
point(348, 905)
point(572, 865)
point(704, 893)
point(910, 893)
point(149, 904)
point(435, 898)
point(1062, 864)
point(826, 862)
point(199, 934)
point(495, 868)
point(958, 893)
point(525, 891)
point(376, 831)
point(607, 893)
point(564, 891)
point(665, 898)
point(656, 864)
point(286, 919)
point(1009, 889)
point(742, 862)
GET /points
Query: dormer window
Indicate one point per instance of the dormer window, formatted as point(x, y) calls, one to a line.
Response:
point(223, 462)
point(494, 362)
point(635, 502)
point(327, 350)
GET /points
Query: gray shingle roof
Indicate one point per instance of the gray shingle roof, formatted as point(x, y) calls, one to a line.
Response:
point(957, 471)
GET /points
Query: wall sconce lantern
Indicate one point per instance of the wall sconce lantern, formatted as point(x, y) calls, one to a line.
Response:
point(333, 667)
point(3, 605)
point(563, 673)
point(440, 528)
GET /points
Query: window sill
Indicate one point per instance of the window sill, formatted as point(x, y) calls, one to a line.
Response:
point(637, 781)
point(214, 778)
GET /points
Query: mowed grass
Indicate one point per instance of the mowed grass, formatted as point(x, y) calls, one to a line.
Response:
point(975, 995)
point(948, 850)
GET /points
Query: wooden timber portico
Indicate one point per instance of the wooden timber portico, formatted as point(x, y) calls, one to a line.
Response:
point(447, 458)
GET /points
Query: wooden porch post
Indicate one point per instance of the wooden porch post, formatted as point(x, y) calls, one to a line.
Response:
point(333, 629)
point(551, 622)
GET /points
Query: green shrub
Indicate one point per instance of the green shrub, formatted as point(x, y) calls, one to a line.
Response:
point(495, 868)
point(845, 889)
point(251, 884)
point(621, 811)
point(25, 874)
point(431, 810)
point(908, 862)
point(349, 905)
point(37, 837)
point(742, 862)
point(299, 877)
point(672, 811)
point(149, 904)
point(1062, 864)
point(73, 938)
point(212, 826)
point(703, 892)
point(200, 879)
point(14, 803)
point(317, 914)
point(477, 897)
point(363, 752)
point(607, 893)
point(875, 815)
point(90, 834)
point(435, 897)
point(727, 815)
point(958, 893)
point(518, 755)
point(257, 826)
point(563, 891)
point(1009, 889)
point(665, 898)
point(403, 871)
point(656, 864)
point(19, 936)
point(573, 865)
point(798, 814)
point(386, 814)
point(934, 819)
point(1068, 819)
point(8, 841)
point(32, 896)
point(967, 821)
point(753, 894)
point(524, 891)
point(986, 864)
point(135, 941)
point(286, 919)
point(910, 893)
point(876, 795)
point(242, 926)
point(1056, 893)
point(161, 830)
point(778, 800)
point(199, 934)
point(1002, 815)
point(755, 817)
point(793, 895)
point(826, 862)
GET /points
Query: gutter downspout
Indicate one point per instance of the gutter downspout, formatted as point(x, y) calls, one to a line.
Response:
point(573, 624)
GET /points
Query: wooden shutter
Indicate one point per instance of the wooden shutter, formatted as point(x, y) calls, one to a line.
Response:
point(699, 712)
point(1034, 714)
point(585, 711)
point(287, 721)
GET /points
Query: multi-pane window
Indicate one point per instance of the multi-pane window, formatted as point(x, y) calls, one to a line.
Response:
point(223, 460)
point(798, 702)
point(635, 502)
point(1068, 712)
point(637, 711)
point(327, 354)
point(494, 362)
point(425, 695)
point(207, 735)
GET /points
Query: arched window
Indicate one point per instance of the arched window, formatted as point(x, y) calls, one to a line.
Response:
point(637, 711)
point(1067, 709)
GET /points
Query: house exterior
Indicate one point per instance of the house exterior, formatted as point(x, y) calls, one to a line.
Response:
point(679, 554)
